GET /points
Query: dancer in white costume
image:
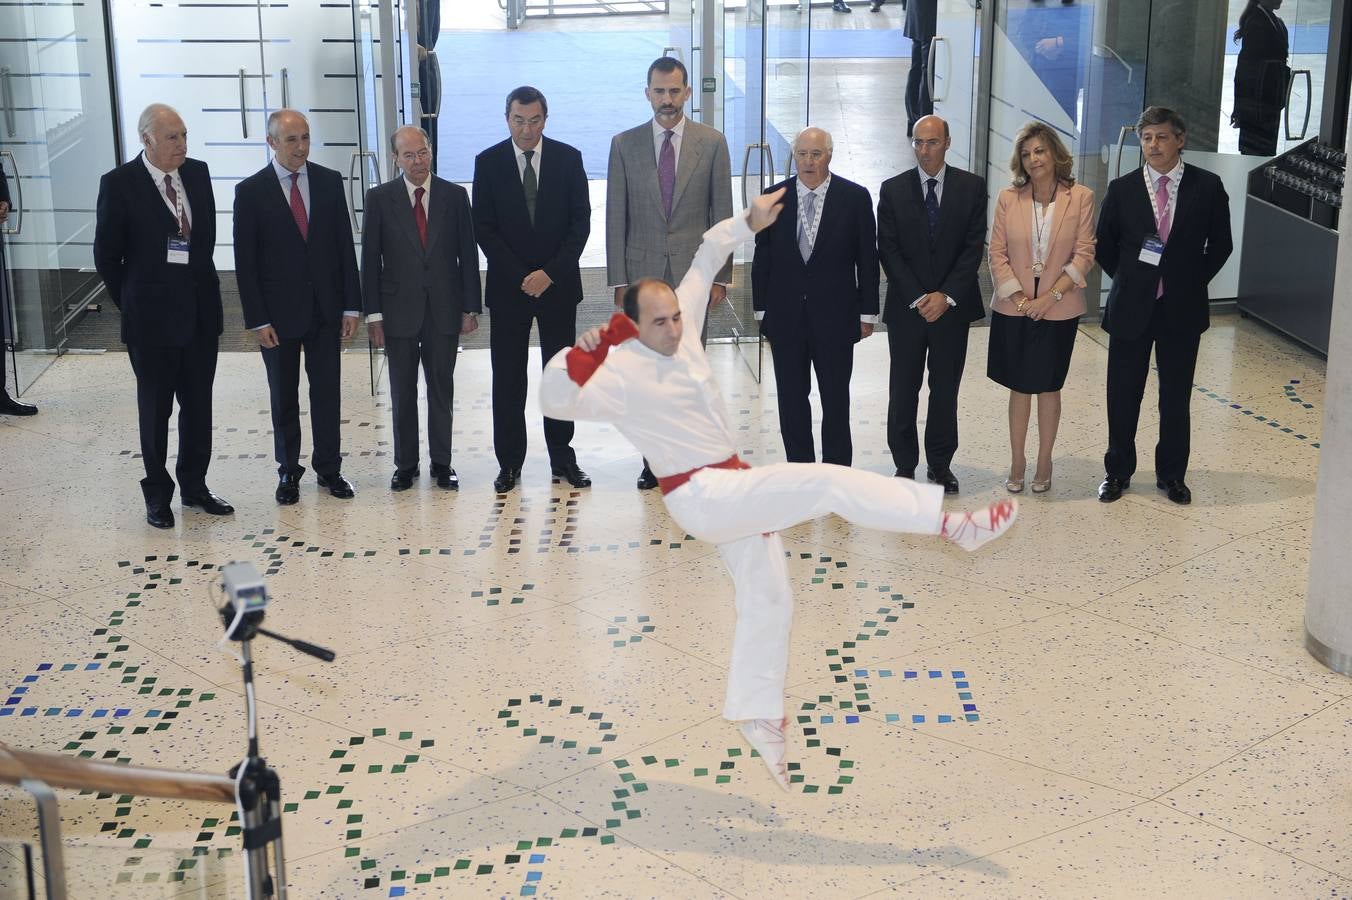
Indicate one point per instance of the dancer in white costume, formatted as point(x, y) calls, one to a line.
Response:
point(659, 392)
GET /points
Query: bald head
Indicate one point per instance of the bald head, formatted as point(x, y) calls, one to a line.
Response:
point(812, 155)
point(164, 137)
point(931, 140)
point(289, 138)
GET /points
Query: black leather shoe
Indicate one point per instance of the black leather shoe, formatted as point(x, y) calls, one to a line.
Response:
point(338, 486)
point(944, 477)
point(506, 480)
point(288, 489)
point(208, 502)
point(1177, 491)
point(447, 480)
point(841, 6)
point(570, 473)
point(11, 407)
point(1112, 488)
point(646, 479)
point(905, 473)
point(403, 479)
point(160, 515)
point(875, 5)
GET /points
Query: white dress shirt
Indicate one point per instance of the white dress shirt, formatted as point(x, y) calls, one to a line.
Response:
point(534, 160)
point(1175, 176)
point(157, 176)
point(660, 136)
point(938, 196)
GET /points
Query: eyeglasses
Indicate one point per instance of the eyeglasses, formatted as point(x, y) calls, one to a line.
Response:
point(813, 155)
point(931, 144)
point(533, 121)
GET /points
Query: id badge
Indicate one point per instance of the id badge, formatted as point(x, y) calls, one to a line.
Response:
point(178, 250)
point(1152, 250)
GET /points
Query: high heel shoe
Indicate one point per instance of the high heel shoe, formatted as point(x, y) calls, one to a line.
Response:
point(1042, 487)
point(1015, 486)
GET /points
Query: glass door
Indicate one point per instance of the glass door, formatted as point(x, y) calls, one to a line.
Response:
point(56, 139)
point(953, 67)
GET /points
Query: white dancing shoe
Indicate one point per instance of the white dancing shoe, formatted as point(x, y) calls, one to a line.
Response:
point(970, 530)
point(766, 737)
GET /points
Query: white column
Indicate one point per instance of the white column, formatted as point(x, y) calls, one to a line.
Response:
point(1328, 604)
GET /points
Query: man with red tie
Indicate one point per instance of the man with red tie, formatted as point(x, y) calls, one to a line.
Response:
point(300, 290)
point(420, 285)
point(154, 236)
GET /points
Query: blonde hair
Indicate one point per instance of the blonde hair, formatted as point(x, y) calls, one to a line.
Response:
point(1061, 158)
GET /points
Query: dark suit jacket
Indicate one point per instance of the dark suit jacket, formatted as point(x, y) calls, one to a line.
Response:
point(917, 264)
point(1199, 244)
point(922, 19)
point(514, 246)
point(162, 304)
point(400, 279)
point(1261, 72)
point(284, 278)
point(839, 282)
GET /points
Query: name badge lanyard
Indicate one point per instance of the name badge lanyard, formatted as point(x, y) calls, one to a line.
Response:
point(178, 248)
point(810, 228)
point(1154, 204)
point(1039, 223)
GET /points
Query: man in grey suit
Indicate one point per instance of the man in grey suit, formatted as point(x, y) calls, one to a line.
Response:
point(668, 182)
point(420, 277)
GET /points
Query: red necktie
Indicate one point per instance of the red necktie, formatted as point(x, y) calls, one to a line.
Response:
point(298, 207)
point(420, 215)
point(183, 227)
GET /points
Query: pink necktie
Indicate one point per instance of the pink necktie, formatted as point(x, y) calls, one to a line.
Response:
point(298, 207)
point(183, 227)
point(1164, 222)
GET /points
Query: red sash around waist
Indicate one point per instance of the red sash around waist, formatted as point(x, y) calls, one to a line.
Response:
point(672, 482)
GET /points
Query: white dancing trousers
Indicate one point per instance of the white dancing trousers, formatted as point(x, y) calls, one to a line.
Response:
point(735, 508)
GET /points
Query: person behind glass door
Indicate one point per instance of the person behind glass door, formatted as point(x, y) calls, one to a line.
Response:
point(1163, 234)
point(1041, 250)
point(1261, 77)
point(814, 286)
point(420, 290)
point(154, 236)
point(299, 288)
point(667, 182)
point(931, 237)
point(8, 405)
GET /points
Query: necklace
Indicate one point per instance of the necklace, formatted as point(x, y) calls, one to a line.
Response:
point(1039, 223)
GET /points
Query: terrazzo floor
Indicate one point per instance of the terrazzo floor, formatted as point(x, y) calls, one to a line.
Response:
point(1112, 701)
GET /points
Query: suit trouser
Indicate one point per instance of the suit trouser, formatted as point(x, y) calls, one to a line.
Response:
point(918, 100)
point(436, 352)
point(796, 355)
point(163, 374)
point(509, 351)
point(741, 510)
point(322, 345)
point(914, 345)
point(1128, 366)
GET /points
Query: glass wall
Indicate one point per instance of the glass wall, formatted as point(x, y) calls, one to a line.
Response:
point(56, 138)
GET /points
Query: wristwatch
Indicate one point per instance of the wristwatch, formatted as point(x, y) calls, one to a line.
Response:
point(1057, 294)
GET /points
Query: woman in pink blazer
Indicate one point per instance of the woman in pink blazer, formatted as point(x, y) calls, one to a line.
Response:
point(1041, 250)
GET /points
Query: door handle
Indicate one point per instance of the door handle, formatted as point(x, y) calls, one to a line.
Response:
point(15, 210)
point(948, 68)
point(243, 110)
point(929, 65)
point(770, 154)
point(286, 89)
point(351, 177)
point(7, 97)
point(1309, 102)
point(1121, 147)
point(746, 162)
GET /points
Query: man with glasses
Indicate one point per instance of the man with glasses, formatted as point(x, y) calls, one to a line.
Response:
point(1163, 234)
point(532, 216)
point(931, 238)
point(814, 285)
point(668, 181)
point(420, 286)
